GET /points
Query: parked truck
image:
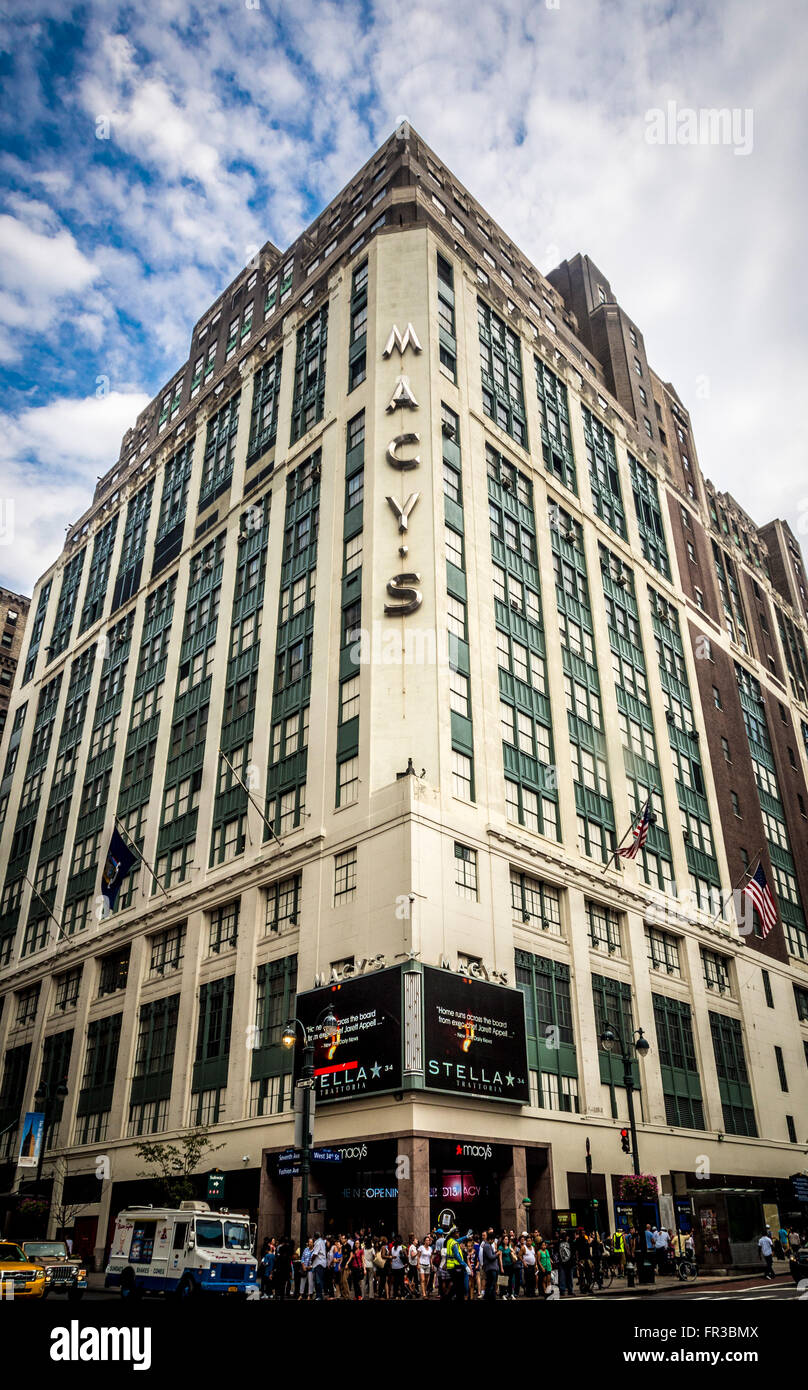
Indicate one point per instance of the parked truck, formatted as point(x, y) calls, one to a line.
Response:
point(184, 1251)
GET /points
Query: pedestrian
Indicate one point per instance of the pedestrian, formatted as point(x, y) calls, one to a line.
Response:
point(356, 1268)
point(491, 1264)
point(383, 1263)
point(765, 1247)
point(267, 1267)
point(317, 1265)
point(546, 1269)
point(333, 1268)
point(368, 1254)
point(456, 1267)
point(566, 1267)
point(619, 1250)
point(282, 1272)
point(661, 1244)
point(398, 1262)
point(528, 1257)
point(597, 1250)
point(507, 1261)
point(412, 1268)
point(425, 1266)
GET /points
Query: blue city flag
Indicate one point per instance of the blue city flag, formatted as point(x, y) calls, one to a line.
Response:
point(119, 861)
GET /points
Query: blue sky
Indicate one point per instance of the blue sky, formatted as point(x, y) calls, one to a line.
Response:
point(230, 123)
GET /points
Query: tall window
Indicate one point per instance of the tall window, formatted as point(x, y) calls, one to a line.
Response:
point(345, 876)
point(466, 872)
point(501, 368)
point(308, 399)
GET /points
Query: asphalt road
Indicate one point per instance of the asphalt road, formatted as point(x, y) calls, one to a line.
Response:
point(783, 1290)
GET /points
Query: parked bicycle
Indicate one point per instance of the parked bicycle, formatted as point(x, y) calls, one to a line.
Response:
point(686, 1268)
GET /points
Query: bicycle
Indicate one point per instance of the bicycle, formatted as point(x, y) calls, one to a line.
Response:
point(605, 1277)
point(686, 1268)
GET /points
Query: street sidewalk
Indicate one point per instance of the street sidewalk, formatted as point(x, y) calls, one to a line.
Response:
point(667, 1282)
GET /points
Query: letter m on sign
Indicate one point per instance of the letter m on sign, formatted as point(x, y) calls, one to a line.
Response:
point(395, 340)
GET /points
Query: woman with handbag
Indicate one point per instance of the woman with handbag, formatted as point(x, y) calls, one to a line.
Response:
point(382, 1262)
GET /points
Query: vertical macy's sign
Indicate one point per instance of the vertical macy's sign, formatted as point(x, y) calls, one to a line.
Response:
point(403, 588)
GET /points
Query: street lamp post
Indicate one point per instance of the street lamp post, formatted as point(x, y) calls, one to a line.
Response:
point(610, 1038)
point(306, 1084)
point(46, 1099)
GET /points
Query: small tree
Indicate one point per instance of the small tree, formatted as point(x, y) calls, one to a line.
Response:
point(170, 1164)
point(64, 1212)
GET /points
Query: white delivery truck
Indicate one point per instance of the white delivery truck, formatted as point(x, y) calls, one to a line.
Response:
point(186, 1251)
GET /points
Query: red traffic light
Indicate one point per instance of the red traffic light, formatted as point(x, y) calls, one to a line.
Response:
point(625, 1141)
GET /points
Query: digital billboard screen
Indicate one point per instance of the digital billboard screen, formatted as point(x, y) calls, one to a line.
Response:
point(361, 1056)
point(474, 1038)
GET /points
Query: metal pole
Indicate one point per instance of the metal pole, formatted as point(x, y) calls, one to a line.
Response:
point(628, 1082)
point(46, 1113)
point(593, 1212)
point(307, 1080)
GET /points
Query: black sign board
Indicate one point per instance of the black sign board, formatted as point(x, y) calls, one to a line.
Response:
point(799, 1182)
point(474, 1038)
point(362, 1055)
point(215, 1184)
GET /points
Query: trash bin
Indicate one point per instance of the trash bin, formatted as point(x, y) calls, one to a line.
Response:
point(646, 1273)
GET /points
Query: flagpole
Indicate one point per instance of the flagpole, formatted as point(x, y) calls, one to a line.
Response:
point(615, 852)
point(52, 915)
point(747, 873)
point(254, 804)
point(133, 846)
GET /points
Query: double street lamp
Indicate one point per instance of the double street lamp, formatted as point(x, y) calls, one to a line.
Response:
point(327, 1021)
point(610, 1040)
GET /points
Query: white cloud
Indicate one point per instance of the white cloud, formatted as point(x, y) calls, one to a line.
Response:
point(50, 458)
point(41, 266)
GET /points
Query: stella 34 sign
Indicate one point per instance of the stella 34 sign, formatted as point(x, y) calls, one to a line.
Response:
point(403, 588)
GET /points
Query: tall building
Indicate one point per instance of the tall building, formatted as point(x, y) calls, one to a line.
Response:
point(404, 599)
point(13, 615)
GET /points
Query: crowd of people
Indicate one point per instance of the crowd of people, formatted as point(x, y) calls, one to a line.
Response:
point(447, 1265)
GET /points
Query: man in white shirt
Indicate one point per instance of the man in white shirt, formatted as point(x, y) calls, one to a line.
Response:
point(319, 1259)
point(766, 1250)
point(661, 1243)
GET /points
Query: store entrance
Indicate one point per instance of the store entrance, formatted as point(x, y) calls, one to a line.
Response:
point(465, 1177)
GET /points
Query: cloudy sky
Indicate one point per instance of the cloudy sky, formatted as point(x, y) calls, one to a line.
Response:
point(234, 121)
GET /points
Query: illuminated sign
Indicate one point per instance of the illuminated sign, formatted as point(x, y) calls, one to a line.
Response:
point(474, 1038)
point(361, 1056)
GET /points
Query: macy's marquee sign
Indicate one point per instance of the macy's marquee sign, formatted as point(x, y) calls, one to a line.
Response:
point(403, 587)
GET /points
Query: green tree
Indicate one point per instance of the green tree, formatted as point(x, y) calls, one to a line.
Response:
point(170, 1164)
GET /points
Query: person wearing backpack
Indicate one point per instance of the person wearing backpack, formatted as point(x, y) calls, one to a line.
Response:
point(566, 1266)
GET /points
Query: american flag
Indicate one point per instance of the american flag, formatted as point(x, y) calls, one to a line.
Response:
point(640, 832)
point(758, 890)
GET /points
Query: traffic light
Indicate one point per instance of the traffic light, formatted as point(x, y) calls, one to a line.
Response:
point(625, 1141)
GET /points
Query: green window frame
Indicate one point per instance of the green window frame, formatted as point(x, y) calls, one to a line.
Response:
point(308, 395)
point(501, 370)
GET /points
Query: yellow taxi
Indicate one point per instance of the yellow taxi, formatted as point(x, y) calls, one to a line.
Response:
point(19, 1276)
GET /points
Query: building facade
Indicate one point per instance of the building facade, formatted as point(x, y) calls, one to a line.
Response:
point(404, 597)
point(13, 612)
